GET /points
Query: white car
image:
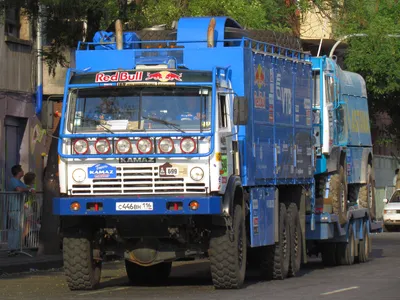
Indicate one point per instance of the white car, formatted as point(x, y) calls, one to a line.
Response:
point(391, 213)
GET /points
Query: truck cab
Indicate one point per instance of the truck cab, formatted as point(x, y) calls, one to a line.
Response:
point(342, 136)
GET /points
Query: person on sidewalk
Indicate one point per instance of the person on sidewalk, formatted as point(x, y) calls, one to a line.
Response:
point(14, 208)
point(30, 209)
point(16, 185)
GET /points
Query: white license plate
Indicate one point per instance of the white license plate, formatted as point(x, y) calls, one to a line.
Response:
point(134, 206)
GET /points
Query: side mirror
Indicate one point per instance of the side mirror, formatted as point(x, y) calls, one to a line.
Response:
point(385, 201)
point(240, 110)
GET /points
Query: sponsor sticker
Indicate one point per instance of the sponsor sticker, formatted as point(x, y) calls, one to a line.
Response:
point(102, 171)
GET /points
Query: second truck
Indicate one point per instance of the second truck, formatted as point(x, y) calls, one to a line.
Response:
point(211, 145)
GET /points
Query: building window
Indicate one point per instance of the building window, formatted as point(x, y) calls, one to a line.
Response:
point(12, 22)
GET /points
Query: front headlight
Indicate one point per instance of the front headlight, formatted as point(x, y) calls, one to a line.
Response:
point(124, 146)
point(79, 175)
point(197, 173)
point(102, 146)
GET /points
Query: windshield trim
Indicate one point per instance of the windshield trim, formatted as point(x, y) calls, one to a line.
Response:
point(70, 117)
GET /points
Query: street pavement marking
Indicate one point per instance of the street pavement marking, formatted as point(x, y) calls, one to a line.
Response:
point(341, 290)
point(104, 291)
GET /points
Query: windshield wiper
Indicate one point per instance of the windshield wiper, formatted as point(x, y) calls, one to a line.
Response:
point(98, 122)
point(157, 120)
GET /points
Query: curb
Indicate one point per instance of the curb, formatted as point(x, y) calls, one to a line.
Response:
point(20, 267)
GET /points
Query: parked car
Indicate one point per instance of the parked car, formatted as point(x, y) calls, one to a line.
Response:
point(391, 213)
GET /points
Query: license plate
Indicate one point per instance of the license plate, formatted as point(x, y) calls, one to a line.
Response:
point(134, 206)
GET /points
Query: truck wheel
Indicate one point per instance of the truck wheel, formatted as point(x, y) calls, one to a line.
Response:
point(328, 254)
point(295, 240)
point(364, 247)
point(151, 274)
point(345, 251)
point(228, 254)
point(338, 194)
point(275, 260)
point(81, 270)
point(367, 193)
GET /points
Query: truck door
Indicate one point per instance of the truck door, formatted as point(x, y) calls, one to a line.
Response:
point(226, 135)
point(329, 108)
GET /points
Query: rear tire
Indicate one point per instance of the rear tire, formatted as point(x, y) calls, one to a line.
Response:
point(338, 194)
point(228, 257)
point(147, 275)
point(295, 240)
point(364, 246)
point(275, 260)
point(81, 270)
point(345, 251)
point(367, 193)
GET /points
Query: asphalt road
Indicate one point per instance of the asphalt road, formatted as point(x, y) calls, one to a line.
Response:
point(377, 279)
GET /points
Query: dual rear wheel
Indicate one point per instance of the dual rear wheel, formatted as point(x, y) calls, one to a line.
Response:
point(334, 254)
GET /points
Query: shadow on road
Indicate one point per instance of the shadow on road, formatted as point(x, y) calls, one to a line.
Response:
point(198, 274)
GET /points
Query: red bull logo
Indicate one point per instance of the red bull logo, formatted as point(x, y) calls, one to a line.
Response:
point(164, 76)
point(119, 77)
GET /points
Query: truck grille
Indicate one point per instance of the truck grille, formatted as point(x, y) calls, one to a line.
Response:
point(137, 181)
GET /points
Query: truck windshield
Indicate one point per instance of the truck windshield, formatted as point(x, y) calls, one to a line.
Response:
point(149, 109)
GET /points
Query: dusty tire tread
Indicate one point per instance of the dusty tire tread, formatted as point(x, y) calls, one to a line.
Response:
point(334, 194)
point(222, 255)
point(294, 221)
point(78, 264)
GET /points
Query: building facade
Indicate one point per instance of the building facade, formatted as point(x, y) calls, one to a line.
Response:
point(21, 136)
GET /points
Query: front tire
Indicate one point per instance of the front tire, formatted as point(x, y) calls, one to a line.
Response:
point(228, 255)
point(81, 270)
point(338, 194)
point(295, 240)
point(367, 193)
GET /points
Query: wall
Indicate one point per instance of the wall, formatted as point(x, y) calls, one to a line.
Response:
point(54, 85)
point(17, 81)
point(315, 25)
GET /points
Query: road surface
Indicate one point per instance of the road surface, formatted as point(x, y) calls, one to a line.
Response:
point(377, 279)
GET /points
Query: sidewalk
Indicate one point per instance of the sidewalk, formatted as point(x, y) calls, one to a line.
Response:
point(24, 263)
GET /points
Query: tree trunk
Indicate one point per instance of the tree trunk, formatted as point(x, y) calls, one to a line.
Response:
point(49, 240)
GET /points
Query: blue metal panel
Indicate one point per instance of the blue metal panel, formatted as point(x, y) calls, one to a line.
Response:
point(262, 225)
point(322, 231)
point(303, 95)
point(284, 92)
point(285, 147)
point(354, 158)
point(194, 30)
point(101, 60)
point(321, 166)
point(351, 83)
point(262, 154)
point(304, 159)
point(207, 206)
point(263, 162)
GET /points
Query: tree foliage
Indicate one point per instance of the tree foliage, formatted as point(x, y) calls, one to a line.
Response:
point(376, 55)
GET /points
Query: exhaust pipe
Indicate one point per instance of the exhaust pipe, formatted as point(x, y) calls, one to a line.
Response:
point(119, 35)
point(210, 34)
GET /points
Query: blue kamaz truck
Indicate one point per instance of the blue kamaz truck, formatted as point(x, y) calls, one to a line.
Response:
point(210, 145)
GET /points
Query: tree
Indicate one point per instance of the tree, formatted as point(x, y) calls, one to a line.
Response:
point(376, 56)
